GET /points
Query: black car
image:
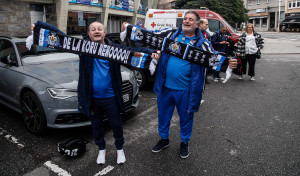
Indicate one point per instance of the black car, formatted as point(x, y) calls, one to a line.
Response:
point(143, 76)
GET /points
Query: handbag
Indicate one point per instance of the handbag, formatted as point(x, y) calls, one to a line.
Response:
point(258, 54)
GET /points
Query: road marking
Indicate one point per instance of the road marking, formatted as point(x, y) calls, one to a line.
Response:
point(147, 111)
point(105, 170)
point(294, 39)
point(10, 138)
point(56, 169)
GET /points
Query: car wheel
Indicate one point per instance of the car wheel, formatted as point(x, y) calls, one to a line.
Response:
point(140, 77)
point(33, 113)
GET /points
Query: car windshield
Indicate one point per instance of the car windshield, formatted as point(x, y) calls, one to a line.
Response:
point(35, 50)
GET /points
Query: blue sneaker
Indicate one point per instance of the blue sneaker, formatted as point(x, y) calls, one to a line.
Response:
point(184, 150)
point(163, 143)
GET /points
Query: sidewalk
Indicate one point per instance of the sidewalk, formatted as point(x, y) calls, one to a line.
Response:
point(278, 46)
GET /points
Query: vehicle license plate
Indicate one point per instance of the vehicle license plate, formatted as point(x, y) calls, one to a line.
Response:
point(126, 97)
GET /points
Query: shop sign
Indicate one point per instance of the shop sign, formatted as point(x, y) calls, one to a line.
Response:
point(260, 10)
point(260, 14)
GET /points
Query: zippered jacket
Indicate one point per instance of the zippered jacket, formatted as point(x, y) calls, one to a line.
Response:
point(216, 39)
point(198, 72)
point(241, 45)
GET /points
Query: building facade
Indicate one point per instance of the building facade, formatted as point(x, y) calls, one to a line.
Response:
point(166, 4)
point(292, 7)
point(70, 16)
point(264, 14)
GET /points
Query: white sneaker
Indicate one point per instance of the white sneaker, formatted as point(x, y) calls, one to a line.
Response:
point(241, 77)
point(101, 157)
point(225, 80)
point(121, 156)
point(221, 78)
point(252, 78)
point(216, 80)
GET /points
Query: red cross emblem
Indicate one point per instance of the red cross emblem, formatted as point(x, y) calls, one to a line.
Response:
point(153, 24)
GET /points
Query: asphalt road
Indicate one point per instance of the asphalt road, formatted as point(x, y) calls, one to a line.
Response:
point(243, 128)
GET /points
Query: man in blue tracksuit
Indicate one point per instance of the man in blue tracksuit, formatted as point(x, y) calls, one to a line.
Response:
point(220, 43)
point(100, 91)
point(180, 83)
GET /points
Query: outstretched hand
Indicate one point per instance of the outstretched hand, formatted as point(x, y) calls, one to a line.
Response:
point(232, 63)
point(32, 27)
point(123, 26)
point(155, 56)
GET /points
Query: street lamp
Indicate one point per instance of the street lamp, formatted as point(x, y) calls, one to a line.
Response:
point(279, 3)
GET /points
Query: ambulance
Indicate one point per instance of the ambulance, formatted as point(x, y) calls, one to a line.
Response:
point(157, 19)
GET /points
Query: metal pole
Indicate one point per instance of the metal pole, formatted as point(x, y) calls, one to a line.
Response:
point(279, 1)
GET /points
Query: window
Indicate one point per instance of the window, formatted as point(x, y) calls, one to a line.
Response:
point(257, 1)
point(267, 1)
point(179, 21)
point(257, 22)
point(78, 22)
point(250, 3)
point(36, 7)
point(294, 4)
point(214, 25)
point(142, 7)
point(264, 22)
point(7, 49)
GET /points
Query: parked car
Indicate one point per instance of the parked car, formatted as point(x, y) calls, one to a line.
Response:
point(143, 76)
point(41, 84)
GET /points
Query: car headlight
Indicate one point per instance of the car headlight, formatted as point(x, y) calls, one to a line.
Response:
point(62, 93)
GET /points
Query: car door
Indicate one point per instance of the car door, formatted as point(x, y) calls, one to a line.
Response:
point(10, 74)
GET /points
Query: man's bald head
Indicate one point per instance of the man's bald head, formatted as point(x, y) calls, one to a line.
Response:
point(203, 24)
point(97, 32)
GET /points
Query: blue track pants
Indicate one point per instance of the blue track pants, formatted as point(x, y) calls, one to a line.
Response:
point(166, 102)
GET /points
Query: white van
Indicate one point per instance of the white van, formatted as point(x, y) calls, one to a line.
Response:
point(157, 19)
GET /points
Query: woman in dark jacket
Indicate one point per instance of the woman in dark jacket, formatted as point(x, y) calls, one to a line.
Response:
point(248, 49)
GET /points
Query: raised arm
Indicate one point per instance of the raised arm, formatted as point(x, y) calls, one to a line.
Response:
point(47, 26)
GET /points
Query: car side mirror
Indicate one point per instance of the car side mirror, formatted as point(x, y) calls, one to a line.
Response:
point(8, 60)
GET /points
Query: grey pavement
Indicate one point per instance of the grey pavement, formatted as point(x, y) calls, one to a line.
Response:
point(281, 45)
